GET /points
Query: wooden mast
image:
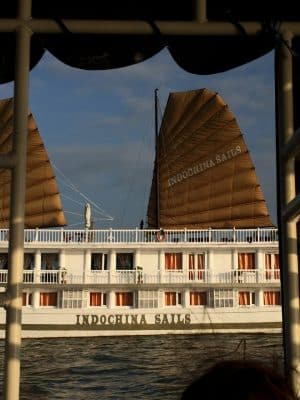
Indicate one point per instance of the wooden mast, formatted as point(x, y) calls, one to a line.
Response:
point(156, 159)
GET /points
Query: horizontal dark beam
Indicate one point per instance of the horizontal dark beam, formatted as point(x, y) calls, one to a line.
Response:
point(170, 28)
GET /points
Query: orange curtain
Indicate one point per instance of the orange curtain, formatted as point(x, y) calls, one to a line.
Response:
point(244, 298)
point(268, 266)
point(173, 261)
point(246, 260)
point(200, 261)
point(97, 299)
point(198, 299)
point(276, 266)
point(48, 299)
point(191, 261)
point(124, 299)
point(272, 265)
point(170, 298)
point(272, 298)
point(200, 265)
point(191, 266)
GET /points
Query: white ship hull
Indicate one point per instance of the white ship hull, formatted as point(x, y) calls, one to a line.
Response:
point(61, 323)
point(130, 282)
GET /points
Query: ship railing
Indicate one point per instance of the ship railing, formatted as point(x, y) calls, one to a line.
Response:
point(49, 276)
point(72, 279)
point(98, 277)
point(198, 275)
point(146, 236)
point(3, 276)
point(28, 276)
point(175, 276)
point(270, 275)
point(245, 276)
point(123, 276)
point(139, 277)
point(236, 276)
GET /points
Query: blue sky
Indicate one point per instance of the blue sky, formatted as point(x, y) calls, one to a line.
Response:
point(98, 128)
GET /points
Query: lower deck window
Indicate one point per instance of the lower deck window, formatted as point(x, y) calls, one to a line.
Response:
point(198, 298)
point(48, 299)
point(272, 298)
point(74, 299)
point(124, 299)
point(97, 299)
point(221, 298)
point(26, 299)
point(148, 299)
point(246, 298)
point(172, 298)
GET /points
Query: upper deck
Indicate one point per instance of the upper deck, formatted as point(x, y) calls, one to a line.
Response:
point(147, 237)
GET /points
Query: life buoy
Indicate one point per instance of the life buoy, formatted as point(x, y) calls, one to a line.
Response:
point(160, 236)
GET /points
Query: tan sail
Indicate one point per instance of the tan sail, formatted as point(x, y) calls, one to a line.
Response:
point(43, 202)
point(205, 173)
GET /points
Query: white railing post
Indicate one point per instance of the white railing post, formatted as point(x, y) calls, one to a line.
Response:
point(36, 236)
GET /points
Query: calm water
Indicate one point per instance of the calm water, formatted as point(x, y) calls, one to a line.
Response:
point(146, 367)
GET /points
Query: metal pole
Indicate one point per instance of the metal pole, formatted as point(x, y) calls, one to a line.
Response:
point(201, 11)
point(288, 228)
point(17, 206)
point(157, 166)
point(134, 27)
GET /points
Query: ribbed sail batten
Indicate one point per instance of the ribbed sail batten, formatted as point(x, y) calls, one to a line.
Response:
point(43, 206)
point(206, 176)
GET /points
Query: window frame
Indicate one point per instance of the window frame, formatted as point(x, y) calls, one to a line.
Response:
point(102, 299)
point(173, 294)
point(104, 261)
point(128, 265)
point(50, 300)
point(173, 261)
point(128, 295)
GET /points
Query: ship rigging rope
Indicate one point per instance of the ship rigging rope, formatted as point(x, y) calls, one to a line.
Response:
point(67, 182)
point(141, 159)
